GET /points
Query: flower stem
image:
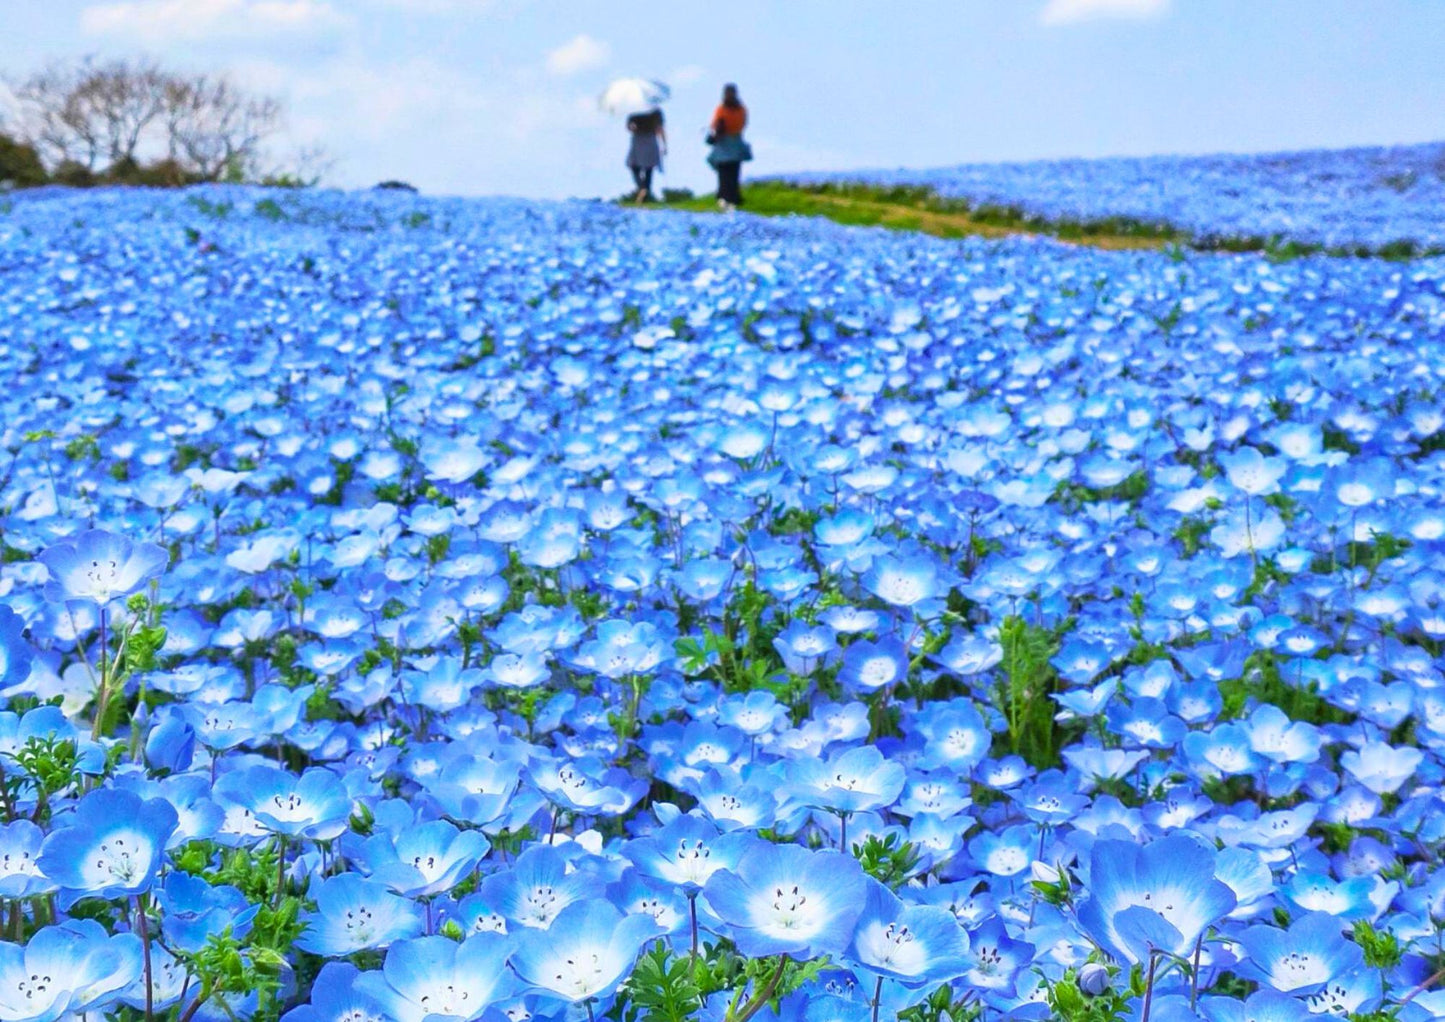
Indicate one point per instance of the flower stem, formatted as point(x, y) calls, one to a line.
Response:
point(195, 1006)
point(280, 868)
point(1194, 973)
point(877, 997)
point(145, 943)
point(1149, 985)
point(103, 695)
point(756, 1004)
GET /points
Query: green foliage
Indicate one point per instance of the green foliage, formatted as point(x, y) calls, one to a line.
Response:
point(1056, 892)
point(1022, 694)
point(84, 446)
point(253, 872)
point(1070, 1004)
point(1131, 489)
point(20, 163)
point(215, 210)
point(1262, 681)
point(269, 209)
point(1191, 532)
point(437, 547)
point(1382, 949)
point(663, 988)
point(52, 764)
point(942, 1006)
point(226, 967)
point(889, 860)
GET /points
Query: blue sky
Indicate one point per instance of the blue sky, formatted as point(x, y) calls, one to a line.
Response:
point(498, 96)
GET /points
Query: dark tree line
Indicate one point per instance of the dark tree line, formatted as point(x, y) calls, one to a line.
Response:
point(136, 122)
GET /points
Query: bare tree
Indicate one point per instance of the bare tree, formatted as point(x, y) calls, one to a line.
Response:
point(109, 115)
point(126, 100)
point(55, 118)
point(216, 130)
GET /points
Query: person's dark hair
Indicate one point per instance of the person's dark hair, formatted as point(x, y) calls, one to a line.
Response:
point(649, 123)
point(730, 97)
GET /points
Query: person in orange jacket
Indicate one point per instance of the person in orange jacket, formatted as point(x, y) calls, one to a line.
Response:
point(729, 151)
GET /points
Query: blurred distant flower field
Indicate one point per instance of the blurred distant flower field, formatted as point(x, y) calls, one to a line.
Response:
point(1388, 200)
point(454, 610)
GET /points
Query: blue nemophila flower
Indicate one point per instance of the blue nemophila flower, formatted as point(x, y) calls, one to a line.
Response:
point(622, 648)
point(20, 875)
point(171, 744)
point(439, 979)
point(995, 959)
point(902, 581)
point(336, 998)
point(193, 911)
point(1049, 802)
point(669, 908)
point(855, 781)
point(423, 860)
point(15, 652)
point(111, 846)
point(1222, 750)
point(588, 951)
point(66, 970)
point(804, 649)
point(1302, 959)
point(516, 670)
point(913, 944)
point(733, 803)
point(784, 899)
point(1251, 472)
point(1005, 853)
point(586, 785)
point(354, 914)
point(844, 529)
point(870, 666)
point(315, 805)
point(1279, 739)
point(536, 888)
point(1382, 767)
point(1080, 659)
point(1311, 891)
point(474, 789)
point(1145, 722)
point(753, 713)
point(686, 852)
point(1162, 896)
point(1260, 1006)
point(956, 736)
point(443, 687)
point(99, 566)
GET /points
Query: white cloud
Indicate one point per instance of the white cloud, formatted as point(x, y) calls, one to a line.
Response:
point(161, 21)
point(581, 53)
point(1067, 12)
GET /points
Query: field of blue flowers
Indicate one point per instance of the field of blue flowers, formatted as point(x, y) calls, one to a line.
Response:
point(1376, 198)
point(422, 610)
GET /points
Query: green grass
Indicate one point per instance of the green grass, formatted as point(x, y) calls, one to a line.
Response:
point(914, 208)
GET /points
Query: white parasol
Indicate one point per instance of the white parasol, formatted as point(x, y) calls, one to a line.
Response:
point(629, 95)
